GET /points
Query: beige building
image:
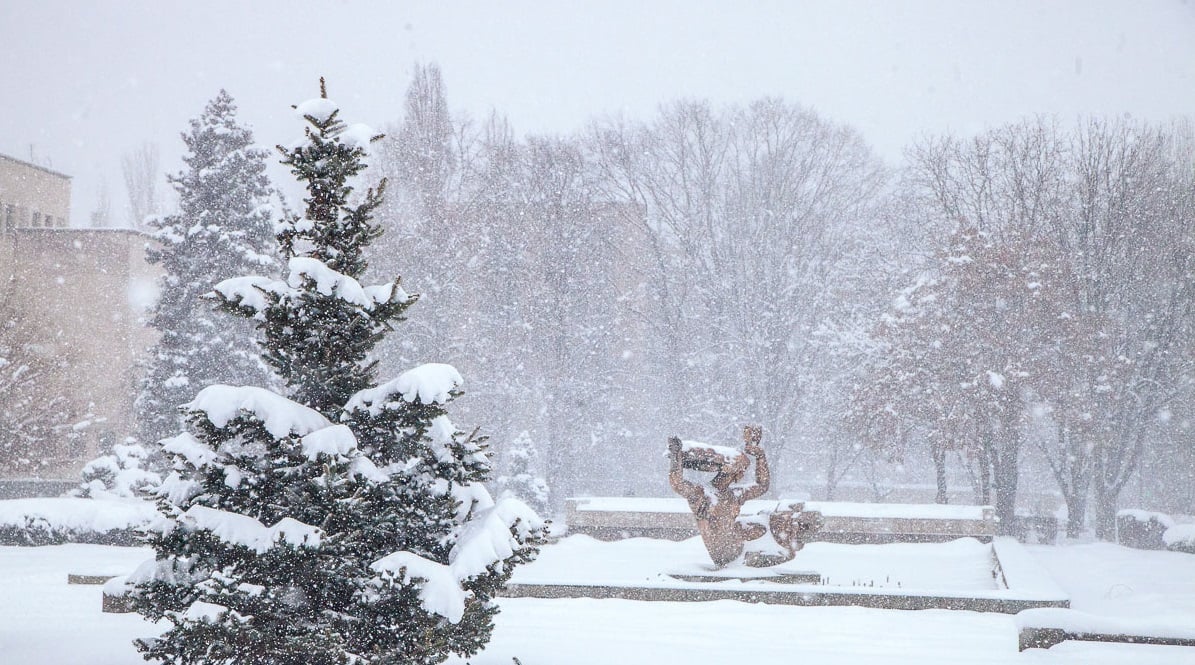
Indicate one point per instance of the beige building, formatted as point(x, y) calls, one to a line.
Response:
point(32, 196)
point(85, 290)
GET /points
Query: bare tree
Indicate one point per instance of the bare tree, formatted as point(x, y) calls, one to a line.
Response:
point(101, 217)
point(962, 346)
point(1101, 209)
point(1131, 238)
point(744, 217)
point(514, 260)
point(141, 175)
point(426, 161)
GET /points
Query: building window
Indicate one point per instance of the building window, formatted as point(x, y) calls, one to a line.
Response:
point(10, 217)
point(36, 222)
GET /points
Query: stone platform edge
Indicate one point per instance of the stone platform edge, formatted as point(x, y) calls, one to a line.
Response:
point(1028, 586)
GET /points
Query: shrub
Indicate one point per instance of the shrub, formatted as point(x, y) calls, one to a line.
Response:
point(1142, 529)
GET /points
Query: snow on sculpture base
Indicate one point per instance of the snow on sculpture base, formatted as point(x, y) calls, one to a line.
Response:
point(964, 574)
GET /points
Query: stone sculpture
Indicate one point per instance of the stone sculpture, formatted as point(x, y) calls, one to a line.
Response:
point(717, 506)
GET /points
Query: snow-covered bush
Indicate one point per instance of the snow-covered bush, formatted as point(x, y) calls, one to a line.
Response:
point(54, 521)
point(1180, 538)
point(122, 473)
point(345, 522)
point(1142, 529)
point(524, 477)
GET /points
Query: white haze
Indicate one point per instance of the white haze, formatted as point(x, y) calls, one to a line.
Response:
point(84, 83)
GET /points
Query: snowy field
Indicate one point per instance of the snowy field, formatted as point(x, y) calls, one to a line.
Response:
point(45, 621)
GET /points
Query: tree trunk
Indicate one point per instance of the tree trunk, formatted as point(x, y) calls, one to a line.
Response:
point(1075, 493)
point(985, 468)
point(1006, 501)
point(938, 452)
point(1005, 457)
point(985, 480)
point(1073, 471)
point(1105, 512)
point(1076, 513)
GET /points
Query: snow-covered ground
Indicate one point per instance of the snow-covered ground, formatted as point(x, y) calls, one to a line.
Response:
point(44, 621)
point(961, 565)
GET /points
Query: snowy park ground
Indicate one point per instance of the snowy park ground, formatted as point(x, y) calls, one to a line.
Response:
point(45, 621)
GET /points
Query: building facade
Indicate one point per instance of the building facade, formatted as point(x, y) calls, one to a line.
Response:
point(32, 196)
point(85, 292)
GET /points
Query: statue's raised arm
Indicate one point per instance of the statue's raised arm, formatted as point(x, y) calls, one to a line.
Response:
point(676, 473)
point(752, 435)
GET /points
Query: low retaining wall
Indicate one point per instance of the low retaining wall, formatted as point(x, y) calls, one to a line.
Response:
point(1045, 628)
point(806, 597)
point(612, 518)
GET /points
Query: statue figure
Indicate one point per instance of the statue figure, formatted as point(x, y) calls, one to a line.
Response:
point(723, 531)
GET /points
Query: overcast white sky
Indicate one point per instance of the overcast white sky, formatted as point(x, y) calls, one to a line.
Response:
point(84, 82)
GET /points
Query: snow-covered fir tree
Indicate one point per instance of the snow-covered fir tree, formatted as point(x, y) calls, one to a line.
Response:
point(124, 472)
point(524, 474)
point(223, 228)
point(345, 522)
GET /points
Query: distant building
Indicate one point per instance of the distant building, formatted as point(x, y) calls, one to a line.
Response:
point(86, 290)
point(32, 196)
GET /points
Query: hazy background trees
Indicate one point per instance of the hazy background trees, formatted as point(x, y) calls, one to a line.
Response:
point(743, 221)
point(514, 259)
point(1005, 310)
point(142, 173)
point(1057, 309)
point(1012, 305)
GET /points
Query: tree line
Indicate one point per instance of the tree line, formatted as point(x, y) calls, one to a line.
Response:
point(1003, 307)
point(1053, 312)
point(1012, 304)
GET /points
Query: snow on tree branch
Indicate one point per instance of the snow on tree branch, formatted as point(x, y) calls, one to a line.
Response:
point(280, 416)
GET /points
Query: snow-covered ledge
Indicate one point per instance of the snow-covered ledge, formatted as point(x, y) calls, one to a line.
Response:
point(1043, 628)
point(963, 574)
point(671, 518)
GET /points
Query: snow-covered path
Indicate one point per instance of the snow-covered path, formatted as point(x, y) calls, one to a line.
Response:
point(43, 621)
point(593, 632)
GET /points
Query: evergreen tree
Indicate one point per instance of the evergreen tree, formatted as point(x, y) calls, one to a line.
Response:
point(125, 472)
point(524, 475)
point(223, 228)
point(347, 522)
